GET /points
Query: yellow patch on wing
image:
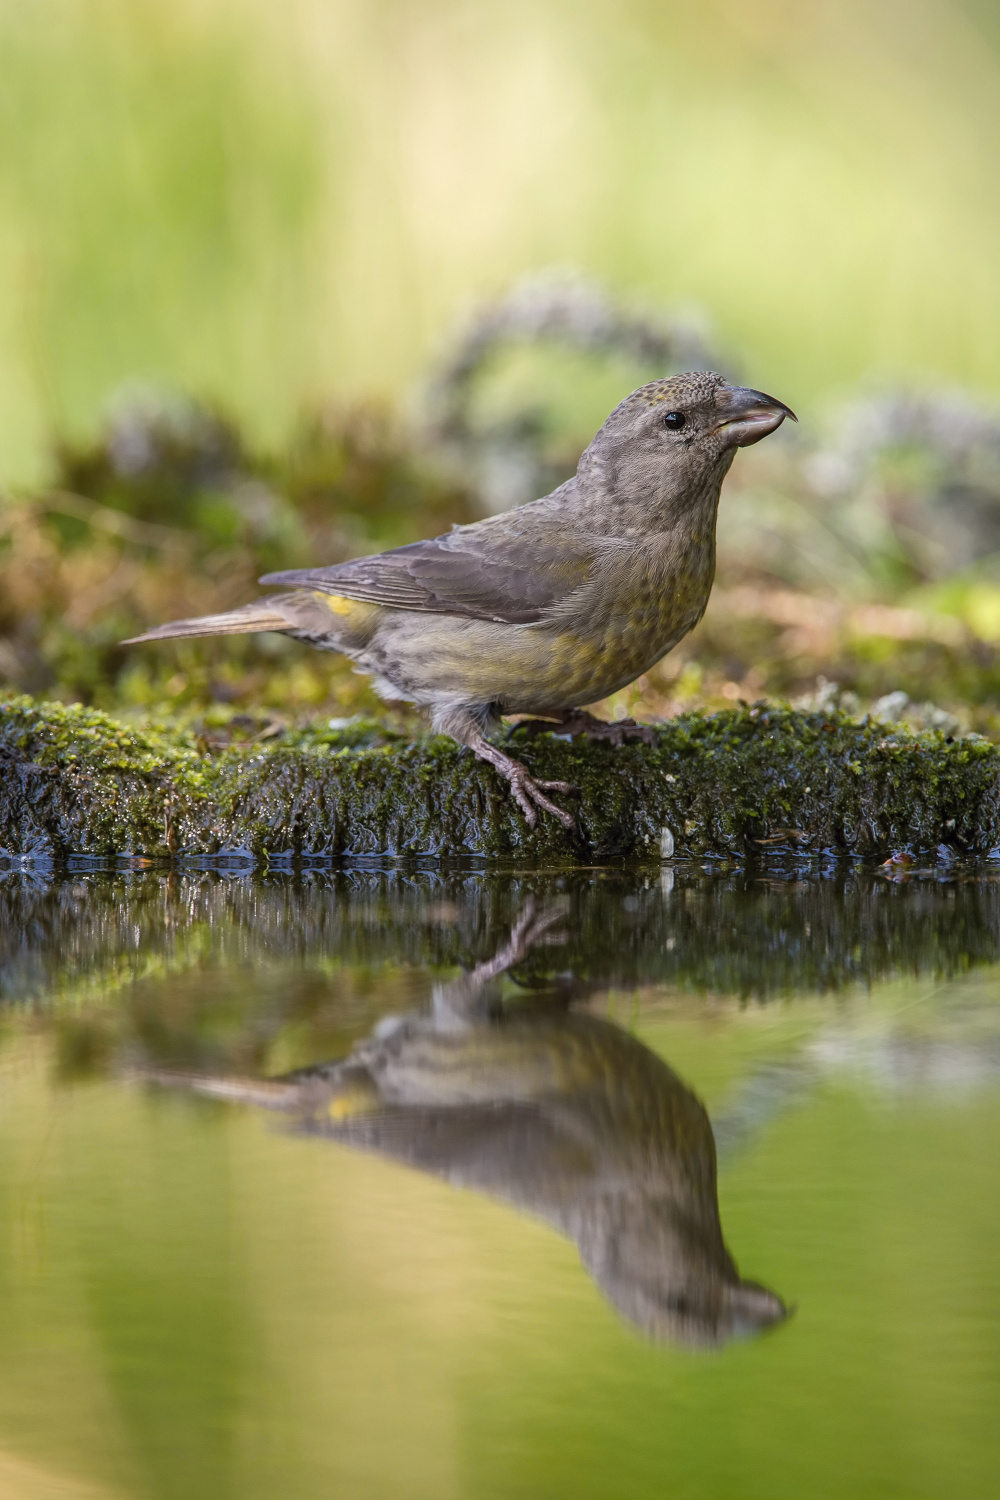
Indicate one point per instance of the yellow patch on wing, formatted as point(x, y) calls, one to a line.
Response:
point(335, 603)
point(359, 1100)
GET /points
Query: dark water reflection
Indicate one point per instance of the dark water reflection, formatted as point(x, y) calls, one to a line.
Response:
point(756, 937)
point(200, 1299)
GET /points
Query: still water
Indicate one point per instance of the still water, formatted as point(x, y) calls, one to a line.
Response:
point(385, 1183)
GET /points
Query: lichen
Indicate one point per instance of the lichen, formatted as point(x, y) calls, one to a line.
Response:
point(739, 783)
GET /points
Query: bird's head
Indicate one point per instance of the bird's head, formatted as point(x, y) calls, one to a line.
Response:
point(673, 439)
point(669, 1273)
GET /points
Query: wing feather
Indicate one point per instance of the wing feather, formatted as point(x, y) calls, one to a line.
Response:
point(489, 571)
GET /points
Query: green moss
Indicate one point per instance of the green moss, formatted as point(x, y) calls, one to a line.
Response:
point(744, 781)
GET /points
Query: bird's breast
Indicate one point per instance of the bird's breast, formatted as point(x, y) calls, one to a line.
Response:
point(633, 617)
point(651, 599)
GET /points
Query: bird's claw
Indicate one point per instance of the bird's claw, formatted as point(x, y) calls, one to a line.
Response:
point(582, 723)
point(531, 928)
point(615, 733)
point(624, 730)
point(529, 795)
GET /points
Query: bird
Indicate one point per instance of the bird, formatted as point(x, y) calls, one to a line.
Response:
point(546, 608)
point(562, 1115)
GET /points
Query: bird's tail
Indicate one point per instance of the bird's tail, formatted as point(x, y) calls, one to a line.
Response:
point(261, 615)
point(338, 1092)
point(266, 1093)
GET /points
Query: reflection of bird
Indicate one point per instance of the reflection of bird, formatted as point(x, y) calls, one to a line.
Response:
point(563, 1116)
point(546, 607)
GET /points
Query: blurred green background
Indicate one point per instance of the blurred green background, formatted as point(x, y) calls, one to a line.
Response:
point(282, 214)
point(265, 205)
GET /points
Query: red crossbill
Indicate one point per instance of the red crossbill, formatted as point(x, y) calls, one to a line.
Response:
point(544, 608)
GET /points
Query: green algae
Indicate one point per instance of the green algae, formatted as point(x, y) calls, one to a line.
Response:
point(762, 780)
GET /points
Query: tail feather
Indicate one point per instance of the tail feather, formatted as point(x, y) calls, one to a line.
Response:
point(246, 620)
point(266, 1093)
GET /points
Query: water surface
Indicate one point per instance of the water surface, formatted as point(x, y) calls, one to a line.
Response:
point(402, 1183)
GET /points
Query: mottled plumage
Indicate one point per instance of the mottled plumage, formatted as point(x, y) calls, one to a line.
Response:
point(548, 607)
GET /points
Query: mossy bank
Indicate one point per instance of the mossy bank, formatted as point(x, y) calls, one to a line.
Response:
point(762, 780)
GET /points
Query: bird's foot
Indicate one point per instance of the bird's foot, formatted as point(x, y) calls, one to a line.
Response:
point(579, 722)
point(530, 929)
point(529, 794)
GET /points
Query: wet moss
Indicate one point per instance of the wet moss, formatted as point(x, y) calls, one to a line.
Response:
point(763, 780)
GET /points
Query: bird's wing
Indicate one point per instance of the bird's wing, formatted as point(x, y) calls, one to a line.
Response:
point(496, 572)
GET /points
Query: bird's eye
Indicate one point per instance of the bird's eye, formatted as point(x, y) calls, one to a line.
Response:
point(674, 420)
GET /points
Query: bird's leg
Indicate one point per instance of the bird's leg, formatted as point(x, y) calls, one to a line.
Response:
point(528, 793)
point(579, 721)
point(465, 1001)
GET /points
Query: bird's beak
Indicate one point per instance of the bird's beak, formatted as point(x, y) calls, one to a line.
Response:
point(746, 416)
